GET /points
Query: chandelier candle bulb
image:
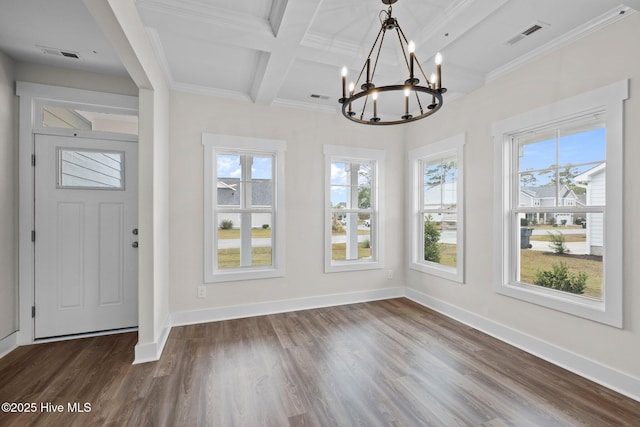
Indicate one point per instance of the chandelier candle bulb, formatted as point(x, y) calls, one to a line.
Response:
point(375, 104)
point(406, 102)
point(433, 85)
point(368, 70)
point(352, 87)
point(412, 50)
point(344, 82)
point(439, 69)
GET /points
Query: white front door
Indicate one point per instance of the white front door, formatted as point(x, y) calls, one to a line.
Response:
point(86, 210)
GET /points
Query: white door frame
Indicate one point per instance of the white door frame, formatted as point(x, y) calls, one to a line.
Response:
point(32, 97)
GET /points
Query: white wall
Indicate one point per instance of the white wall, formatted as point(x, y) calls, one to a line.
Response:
point(8, 199)
point(597, 60)
point(56, 76)
point(305, 133)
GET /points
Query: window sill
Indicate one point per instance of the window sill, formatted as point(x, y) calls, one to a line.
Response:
point(576, 305)
point(446, 272)
point(238, 275)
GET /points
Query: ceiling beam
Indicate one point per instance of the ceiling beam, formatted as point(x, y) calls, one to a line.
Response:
point(274, 67)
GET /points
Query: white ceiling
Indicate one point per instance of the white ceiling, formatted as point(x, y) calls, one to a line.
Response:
point(282, 51)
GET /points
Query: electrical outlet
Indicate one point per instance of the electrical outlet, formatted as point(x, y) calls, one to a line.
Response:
point(389, 274)
point(202, 292)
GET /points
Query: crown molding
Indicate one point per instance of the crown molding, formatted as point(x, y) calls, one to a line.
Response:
point(608, 18)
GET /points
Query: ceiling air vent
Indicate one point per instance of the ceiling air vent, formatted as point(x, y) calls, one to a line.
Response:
point(526, 33)
point(59, 52)
point(316, 96)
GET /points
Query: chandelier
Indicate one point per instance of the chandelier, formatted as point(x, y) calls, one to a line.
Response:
point(420, 101)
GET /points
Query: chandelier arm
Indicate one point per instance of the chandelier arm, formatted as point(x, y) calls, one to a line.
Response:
point(415, 57)
point(375, 65)
point(368, 56)
point(364, 107)
point(404, 54)
point(419, 102)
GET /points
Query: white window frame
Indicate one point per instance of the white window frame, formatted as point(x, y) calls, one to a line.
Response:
point(453, 146)
point(608, 103)
point(334, 153)
point(225, 144)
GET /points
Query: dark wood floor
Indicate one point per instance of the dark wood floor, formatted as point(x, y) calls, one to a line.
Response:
point(380, 363)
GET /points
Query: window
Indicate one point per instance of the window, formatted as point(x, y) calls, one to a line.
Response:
point(437, 210)
point(559, 251)
point(352, 216)
point(90, 169)
point(244, 218)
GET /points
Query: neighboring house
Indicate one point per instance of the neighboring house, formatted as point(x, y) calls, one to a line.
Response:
point(441, 196)
point(229, 191)
point(545, 196)
point(594, 181)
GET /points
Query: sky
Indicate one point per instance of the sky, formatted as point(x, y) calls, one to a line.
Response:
point(579, 148)
point(228, 166)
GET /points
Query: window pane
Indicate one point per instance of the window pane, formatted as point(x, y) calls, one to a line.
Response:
point(440, 238)
point(578, 146)
point(563, 251)
point(261, 192)
point(228, 243)
point(339, 173)
point(440, 179)
point(90, 169)
point(229, 172)
point(69, 118)
point(262, 168)
point(350, 236)
point(261, 239)
point(537, 152)
point(340, 197)
point(230, 240)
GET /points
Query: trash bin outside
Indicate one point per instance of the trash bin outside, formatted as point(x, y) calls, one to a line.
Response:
point(525, 234)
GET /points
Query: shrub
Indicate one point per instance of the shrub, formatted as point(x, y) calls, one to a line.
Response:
point(431, 238)
point(226, 224)
point(336, 227)
point(366, 244)
point(558, 243)
point(562, 279)
point(265, 226)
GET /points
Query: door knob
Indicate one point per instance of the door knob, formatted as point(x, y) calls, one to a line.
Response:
point(134, 244)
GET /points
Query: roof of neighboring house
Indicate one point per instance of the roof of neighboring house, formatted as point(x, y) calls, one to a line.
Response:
point(547, 191)
point(586, 176)
point(226, 186)
point(261, 192)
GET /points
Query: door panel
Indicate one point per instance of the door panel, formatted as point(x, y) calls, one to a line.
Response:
point(85, 211)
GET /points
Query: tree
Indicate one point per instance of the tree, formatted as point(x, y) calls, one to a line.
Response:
point(565, 176)
point(438, 174)
point(431, 240)
point(528, 179)
point(364, 187)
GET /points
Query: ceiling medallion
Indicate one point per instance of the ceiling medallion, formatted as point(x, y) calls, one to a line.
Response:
point(420, 101)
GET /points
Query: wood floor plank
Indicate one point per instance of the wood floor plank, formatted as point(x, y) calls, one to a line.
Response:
point(384, 363)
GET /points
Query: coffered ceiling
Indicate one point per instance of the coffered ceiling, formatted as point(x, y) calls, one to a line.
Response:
point(284, 51)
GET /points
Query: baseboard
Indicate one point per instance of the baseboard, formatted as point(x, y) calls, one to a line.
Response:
point(150, 352)
point(580, 365)
point(281, 306)
point(8, 344)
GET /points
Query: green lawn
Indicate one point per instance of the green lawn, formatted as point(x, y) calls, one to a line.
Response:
point(532, 261)
point(448, 254)
point(230, 258)
point(234, 233)
point(339, 251)
point(567, 238)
